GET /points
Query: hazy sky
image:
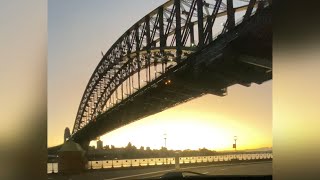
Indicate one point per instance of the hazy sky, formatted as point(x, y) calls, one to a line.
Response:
point(79, 30)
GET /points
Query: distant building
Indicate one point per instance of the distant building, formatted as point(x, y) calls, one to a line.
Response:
point(107, 147)
point(99, 144)
point(67, 134)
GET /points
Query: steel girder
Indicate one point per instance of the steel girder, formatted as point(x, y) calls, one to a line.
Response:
point(159, 38)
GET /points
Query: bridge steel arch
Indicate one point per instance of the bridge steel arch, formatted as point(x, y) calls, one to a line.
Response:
point(164, 38)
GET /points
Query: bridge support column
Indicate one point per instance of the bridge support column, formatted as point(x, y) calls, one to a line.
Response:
point(249, 9)
point(178, 29)
point(72, 159)
point(85, 145)
point(163, 40)
point(230, 14)
point(200, 22)
point(191, 35)
point(148, 35)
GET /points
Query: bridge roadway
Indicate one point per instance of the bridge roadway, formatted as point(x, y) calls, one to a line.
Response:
point(249, 168)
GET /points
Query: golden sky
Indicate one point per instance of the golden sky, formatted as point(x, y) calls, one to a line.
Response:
point(209, 121)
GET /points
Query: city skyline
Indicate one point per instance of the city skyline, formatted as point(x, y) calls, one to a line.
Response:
point(97, 146)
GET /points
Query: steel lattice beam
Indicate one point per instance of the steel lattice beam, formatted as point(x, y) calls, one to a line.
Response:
point(145, 43)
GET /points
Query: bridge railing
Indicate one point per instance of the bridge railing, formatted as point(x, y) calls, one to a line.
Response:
point(127, 163)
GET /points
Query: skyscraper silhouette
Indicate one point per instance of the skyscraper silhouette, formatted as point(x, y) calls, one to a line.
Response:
point(67, 134)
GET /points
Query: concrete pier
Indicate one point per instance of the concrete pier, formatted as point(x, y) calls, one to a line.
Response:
point(71, 158)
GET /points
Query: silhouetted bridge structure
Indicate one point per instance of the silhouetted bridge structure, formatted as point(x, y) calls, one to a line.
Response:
point(180, 51)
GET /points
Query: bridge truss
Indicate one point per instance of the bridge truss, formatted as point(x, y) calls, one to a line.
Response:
point(161, 40)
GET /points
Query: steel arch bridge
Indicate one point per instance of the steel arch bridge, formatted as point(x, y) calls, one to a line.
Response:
point(170, 56)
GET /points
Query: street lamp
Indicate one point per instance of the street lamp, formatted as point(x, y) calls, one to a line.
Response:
point(165, 146)
point(165, 140)
point(235, 143)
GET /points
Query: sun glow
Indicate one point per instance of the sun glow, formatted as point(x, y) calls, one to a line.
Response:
point(194, 125)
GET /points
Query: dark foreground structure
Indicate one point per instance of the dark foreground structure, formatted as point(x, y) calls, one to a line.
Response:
point(71, 159)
